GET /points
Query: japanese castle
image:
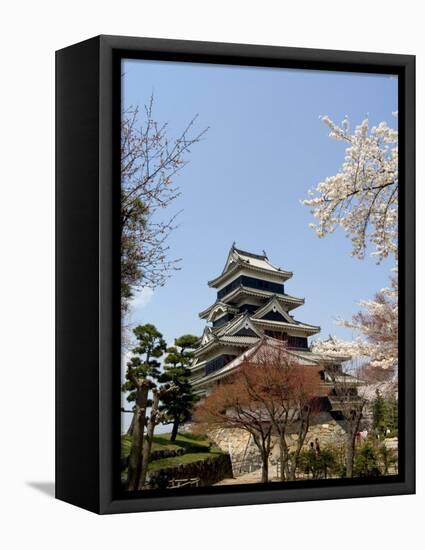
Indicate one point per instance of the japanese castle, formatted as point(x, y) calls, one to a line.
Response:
point(251, 307)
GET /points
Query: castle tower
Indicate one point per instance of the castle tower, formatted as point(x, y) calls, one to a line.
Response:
point(251, 305)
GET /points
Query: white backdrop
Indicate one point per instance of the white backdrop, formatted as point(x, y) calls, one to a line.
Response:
point(30, 33)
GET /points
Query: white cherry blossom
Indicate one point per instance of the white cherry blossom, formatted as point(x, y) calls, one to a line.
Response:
point(362, 197)
point(377, 325)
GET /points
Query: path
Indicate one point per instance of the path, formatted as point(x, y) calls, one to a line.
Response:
point(252, 477)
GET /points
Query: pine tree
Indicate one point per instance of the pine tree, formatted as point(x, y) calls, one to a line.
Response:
point(379, 414)
point(178, 403)
point(144, 362)
point(142, 374)
point(385, 415)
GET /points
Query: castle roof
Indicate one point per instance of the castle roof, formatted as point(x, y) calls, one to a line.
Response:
point(295, 325)
point(291, 302)
point(227, 334)
point(302, 358)
point(257, 263)
point(246, 329)
point(217, 309)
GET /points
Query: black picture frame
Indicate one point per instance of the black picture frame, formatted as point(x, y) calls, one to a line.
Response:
point(87, 270)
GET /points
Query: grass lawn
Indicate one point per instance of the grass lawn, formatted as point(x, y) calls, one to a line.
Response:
point(185, 441)
point(183, 459)
point(162, 441)
point(195, 449)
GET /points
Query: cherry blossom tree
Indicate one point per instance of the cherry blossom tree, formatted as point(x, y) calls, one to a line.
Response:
point(377, 325)
point(362, 197)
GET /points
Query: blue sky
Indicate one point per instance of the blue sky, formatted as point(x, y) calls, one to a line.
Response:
point(265, 148)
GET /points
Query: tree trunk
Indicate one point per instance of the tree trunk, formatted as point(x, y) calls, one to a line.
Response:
point(282, 460)
point(263, 445)
point(349, 453)
point(148, 439)
point(353, 428)
point(295, 459)
point(136, 452)
point(302, 434)
point(175, 429)
point(265, 468)
point(131, 427)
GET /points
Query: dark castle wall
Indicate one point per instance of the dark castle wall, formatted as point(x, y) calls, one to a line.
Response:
point(218, 363)
point(251, 282)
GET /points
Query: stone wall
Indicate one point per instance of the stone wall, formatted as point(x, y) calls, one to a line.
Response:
point(244, 453)
point(232, 441)
point(240, 445)
point(209, 471)
point(328, 432)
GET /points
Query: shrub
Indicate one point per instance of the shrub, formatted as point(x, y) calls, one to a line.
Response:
point(366, 462)
point(321, 464)
point(308, 462)
point(327, 462)
point(388, 458)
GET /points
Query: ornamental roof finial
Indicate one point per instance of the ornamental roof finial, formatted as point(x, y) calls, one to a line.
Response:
point(233, 244)
point(264, 253)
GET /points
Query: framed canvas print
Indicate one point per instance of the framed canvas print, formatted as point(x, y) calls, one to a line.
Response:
point(235, 274)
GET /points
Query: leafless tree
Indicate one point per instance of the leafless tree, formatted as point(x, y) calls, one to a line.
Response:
point(299, 405)
point(289, 393)
point(268, 392)
point(150, 160)
point(230, 405)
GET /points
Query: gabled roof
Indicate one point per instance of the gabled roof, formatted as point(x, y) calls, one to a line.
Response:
point(243, 323)
point(206, 336)
point(215, 308)
point(272, 305)
point(232, 341)
point(228, 334)
point(257, 260)
point(227, 328)
point(238, 259)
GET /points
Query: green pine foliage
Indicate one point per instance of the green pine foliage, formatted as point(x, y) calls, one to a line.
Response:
point(178, 403)
point(145, 360)
point(385, 415)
